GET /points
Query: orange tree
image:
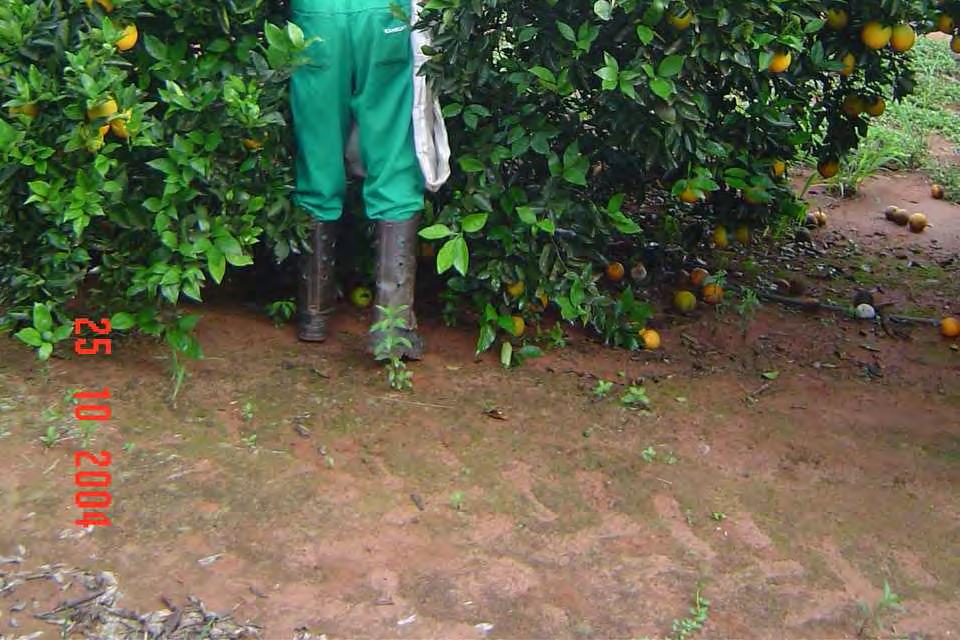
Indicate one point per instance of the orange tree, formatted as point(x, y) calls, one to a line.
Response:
point(145, 146)
point(561, 112)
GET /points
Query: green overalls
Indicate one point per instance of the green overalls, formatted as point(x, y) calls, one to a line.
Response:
point(361, 71)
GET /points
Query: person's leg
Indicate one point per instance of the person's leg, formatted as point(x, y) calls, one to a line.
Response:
point(394, 187)
point(320, 95)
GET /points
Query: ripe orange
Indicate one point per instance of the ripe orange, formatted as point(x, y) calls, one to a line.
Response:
point(876, 107)
point(950, 327)
point(106, 4)
point(713, 294)
point(689, 196)
point(829, 168)
point(837, 19)
point(516, 289)
point(849, 65)
point(780, 62)
point(742, 234)
point(778, 168)
point(936, 192)
point(918, 222)
point(650, 339)
point(945, 23)
point(103, 110)
point(616, 271)
point(720, 238)
point(104, 130)
point(698, 276)
point(252, 144)
point(129, 38)
point(903, 38)
point(876, 35)
point(684, 301)
point(519, 326)
point(682, 21)
point(119, 125)
point(853, 105)
point(955, 44)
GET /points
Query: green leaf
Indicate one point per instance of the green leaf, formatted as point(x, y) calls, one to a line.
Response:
point(45, 350)
point(566, 31)
point(42, 321)
point(474, 222)
point(506, 354)
point(646, 34)
point(771, 375)
point(122, 321)
point(670, 66)
point(663, 88)
point(216, 264)
point(470, 164)
point(461, 255)
point(603, 9)
point(445, 256)
point(30, 336)
point(436, 232)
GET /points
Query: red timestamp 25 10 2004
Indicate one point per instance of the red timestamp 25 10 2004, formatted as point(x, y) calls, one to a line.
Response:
point(93, 494)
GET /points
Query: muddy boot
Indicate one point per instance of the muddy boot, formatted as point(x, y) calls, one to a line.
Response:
point(396, 272)
point(317, 290)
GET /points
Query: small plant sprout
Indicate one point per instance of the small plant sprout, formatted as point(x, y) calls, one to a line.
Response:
point(699, 612)
point(247, 411)
point(718, 516)
point(635, 397)
point(51, 436)
point(602, 389)
point(281, 311)
point(649, 454)
point(389, 345)
point(456, 500)
point(250, 441)
point(874, 619)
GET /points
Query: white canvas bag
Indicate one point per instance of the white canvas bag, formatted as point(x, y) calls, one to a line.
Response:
point(429, 130)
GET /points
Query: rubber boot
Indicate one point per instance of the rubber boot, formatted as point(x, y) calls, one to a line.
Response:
point(396, 276)
point(317, 288)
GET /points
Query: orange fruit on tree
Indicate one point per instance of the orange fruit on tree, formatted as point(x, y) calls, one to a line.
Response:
point(519, 326)
point(650, 339)
point(876, 35)
point(119, 125)
point(252, 144)
point(684, 301)
point(698, 276)
point(853, 105)
point(903, 38)
point(720, 238)
point(955, 44)
point(616, 271)
point(945, 23)
point(713, 294)
point(849, 65)
point(104, 130)
point(876, 107)
point(829, 168)
point(778, 168)
point(516, 289)
point(837, 19)
point(106, 4)
point(780, 62)
point(103, 110)
point(129, 38)
point(950, 327)
point(742, 234)
point(689, 196)
point(681, 22)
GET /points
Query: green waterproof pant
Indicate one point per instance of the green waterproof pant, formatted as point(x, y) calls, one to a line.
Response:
point(360, 71)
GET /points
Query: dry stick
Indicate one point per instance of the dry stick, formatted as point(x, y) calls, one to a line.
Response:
point(414, 402)
point(813, 303)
